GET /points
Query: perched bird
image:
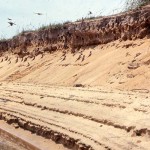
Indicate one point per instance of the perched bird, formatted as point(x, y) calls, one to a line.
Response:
point(21, 58)
point(83, 58)
point(79, 57)
point(6, 58)
point(28, 64)
point(39, 14)
point(42, 55)
point(11, 23)
point(9, 62)
point(64, 58)
point(33, 58)
point(25, 59)
point(16, 60)
point(90, 53)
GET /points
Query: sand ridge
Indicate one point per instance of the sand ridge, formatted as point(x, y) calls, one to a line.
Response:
point(86, 118)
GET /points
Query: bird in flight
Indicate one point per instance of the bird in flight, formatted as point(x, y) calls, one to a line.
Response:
point(9, 19)
point(11, 23)
point(89, 13)
point(39, 14)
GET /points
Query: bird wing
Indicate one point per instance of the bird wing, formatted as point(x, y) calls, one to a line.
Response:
point(38, 13)
point(11, 23)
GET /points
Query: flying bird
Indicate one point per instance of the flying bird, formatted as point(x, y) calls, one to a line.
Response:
point(9, 19)
point(89, 13)
point(11, 23)
point(39, 14)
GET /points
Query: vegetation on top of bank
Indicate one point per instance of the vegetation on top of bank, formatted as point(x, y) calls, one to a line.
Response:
point(134, 4)
point(129, 5)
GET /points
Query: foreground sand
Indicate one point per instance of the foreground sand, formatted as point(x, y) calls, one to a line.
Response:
point(79, 118)
point(12, 138)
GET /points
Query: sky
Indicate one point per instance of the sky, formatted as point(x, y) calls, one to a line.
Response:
point(22, 12)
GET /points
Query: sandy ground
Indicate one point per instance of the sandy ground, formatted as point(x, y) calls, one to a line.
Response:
point(12, 138)
point(110, 112)
point(101, 118)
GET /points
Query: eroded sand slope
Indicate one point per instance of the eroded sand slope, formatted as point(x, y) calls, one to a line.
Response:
point(122, 65)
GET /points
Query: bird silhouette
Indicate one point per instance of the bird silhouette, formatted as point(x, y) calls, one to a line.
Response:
point(9, 18)
point(83, 58)
point(11, 23)
point(9, 62)
point(16, 60)
point(90, 53)
point(39, 14)
point(28, 64)
point(89, 13)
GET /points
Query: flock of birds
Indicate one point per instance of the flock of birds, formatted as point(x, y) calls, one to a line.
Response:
point(12, 23)
point(25, 59)
point(8, 59)
point(80, 57)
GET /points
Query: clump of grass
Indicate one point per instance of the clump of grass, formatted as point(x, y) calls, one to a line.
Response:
point(67, 22)
point(133, 4)
point(43, 27)
point(89, 18)
point(51, 26)
point(25, 31)
point(2, 40)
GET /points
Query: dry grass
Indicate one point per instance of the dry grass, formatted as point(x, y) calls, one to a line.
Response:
point(133, 4)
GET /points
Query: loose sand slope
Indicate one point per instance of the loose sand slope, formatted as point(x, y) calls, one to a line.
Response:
point(79, 118)
point(123, 65)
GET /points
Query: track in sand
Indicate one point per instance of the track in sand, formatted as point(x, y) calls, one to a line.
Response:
point(79, 118)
